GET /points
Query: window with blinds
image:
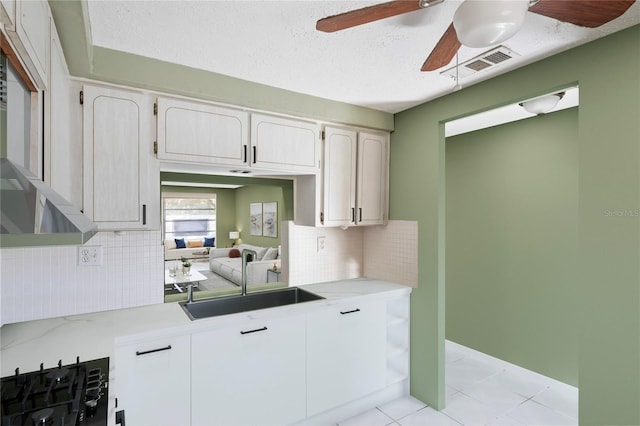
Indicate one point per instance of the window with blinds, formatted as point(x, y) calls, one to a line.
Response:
point(189, 216)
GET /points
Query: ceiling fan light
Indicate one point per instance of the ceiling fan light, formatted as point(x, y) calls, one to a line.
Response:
point(543, 104)
point(483, 23)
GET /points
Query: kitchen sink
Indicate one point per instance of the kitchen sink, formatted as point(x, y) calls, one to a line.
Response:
point(250, 302)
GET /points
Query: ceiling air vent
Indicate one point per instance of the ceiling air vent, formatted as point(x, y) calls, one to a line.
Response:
point(488, 59)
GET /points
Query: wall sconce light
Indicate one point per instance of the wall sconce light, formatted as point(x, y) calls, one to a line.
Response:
point(543, 104)
point(234, 235)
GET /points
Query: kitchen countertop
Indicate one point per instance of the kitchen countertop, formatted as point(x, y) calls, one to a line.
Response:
point(90, 336)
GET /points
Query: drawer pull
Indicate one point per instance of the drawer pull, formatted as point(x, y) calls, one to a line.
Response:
point(166, 348)
point(254, 331)
point(349, 312)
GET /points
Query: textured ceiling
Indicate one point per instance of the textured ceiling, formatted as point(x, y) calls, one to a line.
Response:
point(275, 43)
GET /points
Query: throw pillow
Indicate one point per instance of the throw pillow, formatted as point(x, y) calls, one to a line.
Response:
point(271, 254)
point(234, 253)
point(192, 244)
point(180, 243)
point(208, 242)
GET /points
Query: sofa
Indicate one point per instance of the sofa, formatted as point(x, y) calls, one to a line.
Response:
point(194, 248)
point(228, 263)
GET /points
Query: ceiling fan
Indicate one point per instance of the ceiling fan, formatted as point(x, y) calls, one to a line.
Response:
point(482, 23)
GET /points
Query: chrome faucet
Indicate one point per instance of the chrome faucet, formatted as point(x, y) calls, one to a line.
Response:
point(190, 293)
point(247, 256)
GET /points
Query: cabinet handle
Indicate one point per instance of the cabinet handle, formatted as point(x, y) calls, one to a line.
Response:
point(254, 331)
point(244, 155)
point(166, 348)
point(120, 418)
point(255, 154)
point(360, 212)
point(349, 312)
point(144, 214)
point(353, 214)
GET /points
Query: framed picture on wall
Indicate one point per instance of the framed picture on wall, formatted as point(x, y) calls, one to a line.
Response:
point(270, 219)
point(255, 218)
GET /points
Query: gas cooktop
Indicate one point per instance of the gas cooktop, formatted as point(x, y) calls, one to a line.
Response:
point(66, 395)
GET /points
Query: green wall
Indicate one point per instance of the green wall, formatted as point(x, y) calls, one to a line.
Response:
point(233, 204)
point(260, 194)
point(512, 240)
point(608, 265)
point(99, 63)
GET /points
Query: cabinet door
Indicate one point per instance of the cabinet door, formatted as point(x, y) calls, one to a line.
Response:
point(346, 354)
point(202, 133)
point(60, 167)
point(249, 374)
point(372, 178)
point(153, 381)
point(32, 38)
point(8, 13)
point(339, 192)
point(284, 144)
point(120, 179)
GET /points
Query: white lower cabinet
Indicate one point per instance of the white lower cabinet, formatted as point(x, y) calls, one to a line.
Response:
point(346, 353)
point(249, 374)
point(153, 381)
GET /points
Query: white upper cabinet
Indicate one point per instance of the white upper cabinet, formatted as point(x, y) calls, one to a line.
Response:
point(8, 13)
point(340, 149)
point(355, 177)
point(284, 144)
point(372, 183)
point(31, 36)
point(121, 176)
point(59, 159)
point(202, 133)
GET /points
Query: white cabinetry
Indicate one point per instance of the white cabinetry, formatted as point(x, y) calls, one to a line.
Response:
point(8, 13)
point(249, 374)
point(355, 177)
point(284, 144)
point(202, 133)
point(397, 340)
point(59, 150)
point(30, 35)
point(153, 381)
point(346, 353)
point(121, 175)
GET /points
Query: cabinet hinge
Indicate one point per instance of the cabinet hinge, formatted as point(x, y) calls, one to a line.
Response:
point(155, 147)
point(82, 97)
point(155, 108)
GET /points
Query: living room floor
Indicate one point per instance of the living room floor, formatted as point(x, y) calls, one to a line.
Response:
point(482, 390)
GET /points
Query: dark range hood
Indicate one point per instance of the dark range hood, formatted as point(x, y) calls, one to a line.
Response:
point(32, 214)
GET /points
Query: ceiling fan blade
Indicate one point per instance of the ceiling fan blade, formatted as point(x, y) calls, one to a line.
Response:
point(367, 14)
point(584, 13)
point(444, 51)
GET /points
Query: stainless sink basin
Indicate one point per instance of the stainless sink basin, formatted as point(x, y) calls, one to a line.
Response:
point(250, 302)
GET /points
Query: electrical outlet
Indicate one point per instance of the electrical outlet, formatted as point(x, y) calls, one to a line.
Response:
point(320, 244)
point(90, 255)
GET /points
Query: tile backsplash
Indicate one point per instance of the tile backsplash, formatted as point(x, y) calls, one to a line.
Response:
point(384, 252)
point(45, 282)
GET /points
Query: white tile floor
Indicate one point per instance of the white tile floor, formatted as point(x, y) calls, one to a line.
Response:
point(482, 390)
